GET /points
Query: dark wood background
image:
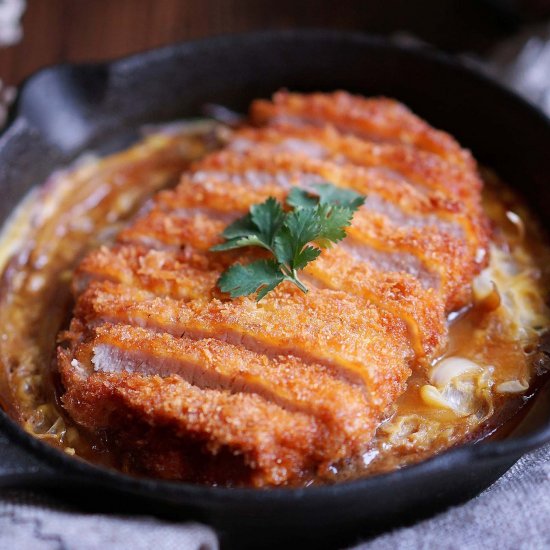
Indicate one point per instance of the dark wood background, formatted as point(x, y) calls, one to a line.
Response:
point(83, 30)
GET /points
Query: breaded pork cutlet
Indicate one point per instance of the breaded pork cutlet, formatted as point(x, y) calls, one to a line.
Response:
point(192, 385)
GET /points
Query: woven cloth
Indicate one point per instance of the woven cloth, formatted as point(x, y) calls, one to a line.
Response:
point(512, 514)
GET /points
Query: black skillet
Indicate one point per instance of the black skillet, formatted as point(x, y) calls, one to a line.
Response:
point(67, 109)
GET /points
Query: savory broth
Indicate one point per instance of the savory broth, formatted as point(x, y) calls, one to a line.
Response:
point(478, 384)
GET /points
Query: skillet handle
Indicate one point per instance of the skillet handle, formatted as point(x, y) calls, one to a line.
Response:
point(19, 469)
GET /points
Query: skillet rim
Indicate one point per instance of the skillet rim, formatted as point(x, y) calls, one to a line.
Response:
point(450, 459)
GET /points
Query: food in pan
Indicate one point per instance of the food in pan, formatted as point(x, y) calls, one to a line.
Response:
point(329, 291)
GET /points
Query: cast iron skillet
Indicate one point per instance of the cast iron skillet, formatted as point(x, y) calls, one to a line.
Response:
point(66, 109)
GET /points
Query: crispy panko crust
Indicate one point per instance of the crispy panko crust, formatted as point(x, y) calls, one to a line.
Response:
point(191, 385)
point(373, 119)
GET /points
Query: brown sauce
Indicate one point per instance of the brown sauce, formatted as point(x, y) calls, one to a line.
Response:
point(493, 346)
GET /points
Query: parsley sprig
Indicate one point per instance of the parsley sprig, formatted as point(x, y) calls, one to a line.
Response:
point(294, 237)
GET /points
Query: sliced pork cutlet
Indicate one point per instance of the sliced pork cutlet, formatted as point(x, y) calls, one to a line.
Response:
point(332, 409)
point(185, 276)
point(428, 172)
point(453, 185)
point(442, 188)
point(325, 361)
point(168, 428)
point(361, 270)
point(442, 252)
point(191, 385)
point(441, 260)
point(383, 136)
point(374, 119)
point(321, 326)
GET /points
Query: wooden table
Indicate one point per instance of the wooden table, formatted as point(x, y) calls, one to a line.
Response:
point(83, 30)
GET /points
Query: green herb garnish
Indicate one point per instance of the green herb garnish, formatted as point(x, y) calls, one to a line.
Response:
point(317, 218)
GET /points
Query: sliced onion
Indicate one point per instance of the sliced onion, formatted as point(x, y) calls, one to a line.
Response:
point(433, 398)
point(517, 222)
point(512, 386)
point(485, 291)
point(451, 367)
point(480, 255)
